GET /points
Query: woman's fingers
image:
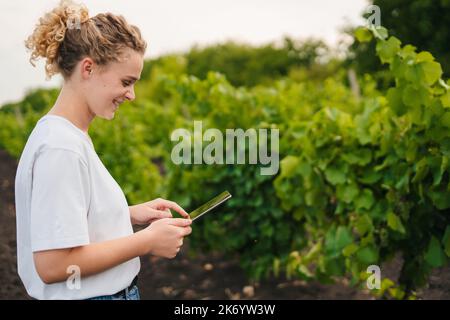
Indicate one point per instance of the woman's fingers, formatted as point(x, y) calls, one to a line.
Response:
point(161, 214)
point(173, 205)
point(180, 222)
point(169, 213)
point(187, 231)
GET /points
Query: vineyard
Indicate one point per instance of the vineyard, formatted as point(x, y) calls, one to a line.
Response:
point(364, 173)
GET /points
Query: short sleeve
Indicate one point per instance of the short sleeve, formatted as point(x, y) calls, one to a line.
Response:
point(59, 200)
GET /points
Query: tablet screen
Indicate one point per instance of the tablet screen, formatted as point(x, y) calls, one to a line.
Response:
point(211, 204)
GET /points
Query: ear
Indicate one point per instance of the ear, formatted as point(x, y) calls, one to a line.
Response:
point(87, 68)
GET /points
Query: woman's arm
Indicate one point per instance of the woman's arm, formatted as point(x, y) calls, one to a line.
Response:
point(52, 265)
point(163, 238)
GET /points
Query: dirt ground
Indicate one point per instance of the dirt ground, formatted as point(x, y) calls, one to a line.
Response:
point(208, 276)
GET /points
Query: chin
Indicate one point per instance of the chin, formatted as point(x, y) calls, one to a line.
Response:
point(108, 116)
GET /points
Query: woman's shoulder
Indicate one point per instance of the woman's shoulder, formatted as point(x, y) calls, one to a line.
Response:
point(52, 133)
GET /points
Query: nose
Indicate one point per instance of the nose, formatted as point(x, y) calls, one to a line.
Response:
point(130, 94)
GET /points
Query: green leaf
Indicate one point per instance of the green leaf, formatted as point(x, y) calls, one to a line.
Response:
point(395, 223)
point(438, 173)
point(359, 156)
point(386, 283)
point(411, 152)
point(442, 83)
point(350, 249)
point(298, 214)
point(408, 52)
point(440, 198)
point(288, 166)
point(396, 293)
point(432, 71)
point(305, 271)
point(394, 96)
point(334, 267)
point(310, 198)
point(399, 68)
point(313, 252)
point(445, 99)
point(305, 169)
point(335, 175)
point(421, 168)
point(363, 34)
point(276, 267)
point(413, 74)
point(347, 193)
point(370, 177)
point(336, 240)
point(365, 200)
point(434, 255)
point(363, 224)
point(380, 32)
point(424, 56)
point(411, 96)
point(388, 49)
point(343, 237)
point(367, 255)
point(446, 241)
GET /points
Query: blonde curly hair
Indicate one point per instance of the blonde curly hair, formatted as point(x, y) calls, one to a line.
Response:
point(65, 35)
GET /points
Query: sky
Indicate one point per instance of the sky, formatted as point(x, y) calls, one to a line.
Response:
point(174, 26)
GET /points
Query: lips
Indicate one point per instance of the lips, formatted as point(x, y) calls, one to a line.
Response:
point(117, 103)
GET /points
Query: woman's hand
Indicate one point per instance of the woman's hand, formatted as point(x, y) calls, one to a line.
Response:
point(165, 237)
point(150, 211)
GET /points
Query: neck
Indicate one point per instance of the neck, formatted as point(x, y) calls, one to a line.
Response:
point(70, 106)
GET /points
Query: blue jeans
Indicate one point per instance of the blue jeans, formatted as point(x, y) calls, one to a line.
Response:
point(132, 294)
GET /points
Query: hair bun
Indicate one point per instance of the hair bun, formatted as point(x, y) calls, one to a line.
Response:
point(51, 30)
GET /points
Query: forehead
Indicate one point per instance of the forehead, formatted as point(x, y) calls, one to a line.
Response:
point(130, 63)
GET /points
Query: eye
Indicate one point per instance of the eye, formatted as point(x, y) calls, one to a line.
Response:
point(126, 83)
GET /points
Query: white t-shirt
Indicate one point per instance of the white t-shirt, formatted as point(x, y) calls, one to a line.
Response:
point(65, 198)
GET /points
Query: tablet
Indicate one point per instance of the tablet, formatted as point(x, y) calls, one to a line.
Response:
point(208, 206)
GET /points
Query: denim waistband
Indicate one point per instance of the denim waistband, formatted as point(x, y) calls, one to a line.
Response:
point(124, 291)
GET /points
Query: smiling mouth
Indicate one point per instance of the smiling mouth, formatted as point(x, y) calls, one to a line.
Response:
point(117, 103)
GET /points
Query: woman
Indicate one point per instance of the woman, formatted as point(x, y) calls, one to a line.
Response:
point(74, 226)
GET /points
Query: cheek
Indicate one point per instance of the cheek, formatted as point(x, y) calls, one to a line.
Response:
point(100, 99)
point(106, 94)
point(102, 93)
point(113, 92)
